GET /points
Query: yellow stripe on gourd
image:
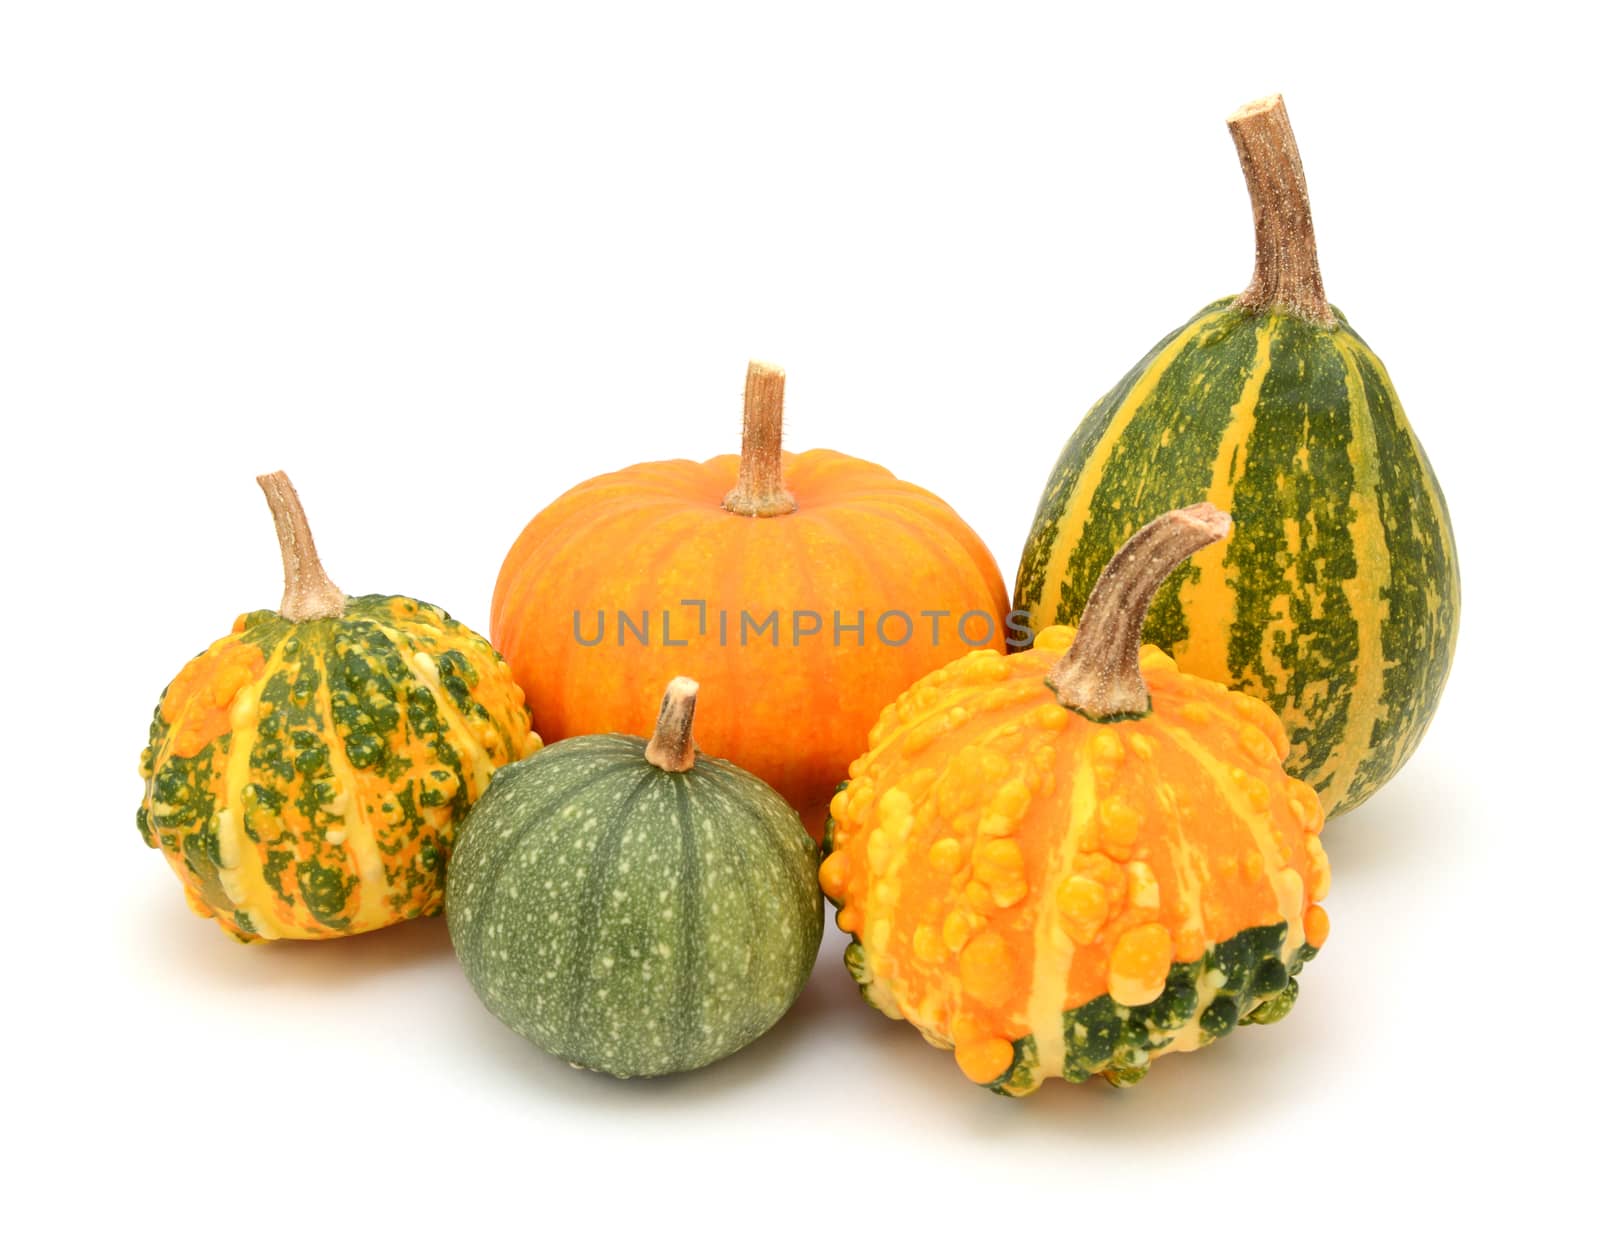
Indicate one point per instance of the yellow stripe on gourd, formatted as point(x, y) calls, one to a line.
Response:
point(245, 879)
point(1365, 591)
point(1075, 513)
point(886, 853)
point(1190, 1036)
point(1205, 592)
point(1053, 948)
point(1288, 896)
point(1192, 870)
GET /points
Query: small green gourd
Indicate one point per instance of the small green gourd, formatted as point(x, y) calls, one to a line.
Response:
point(636, 908)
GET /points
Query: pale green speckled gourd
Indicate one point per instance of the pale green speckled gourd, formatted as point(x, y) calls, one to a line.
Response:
point(635, 907)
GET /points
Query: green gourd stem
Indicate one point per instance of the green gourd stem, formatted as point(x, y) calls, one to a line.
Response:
point(308, 593)
point(672, 746)
point(1287, 277)
point(760, 492)
point(1099, 675)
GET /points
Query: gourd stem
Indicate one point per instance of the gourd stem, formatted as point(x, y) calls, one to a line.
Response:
point(308, 593)
point(1099, 675)
point(760, 492)
point(1287, 277)
point(672, 746)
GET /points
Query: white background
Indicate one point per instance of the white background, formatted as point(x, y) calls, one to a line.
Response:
point(440, 262)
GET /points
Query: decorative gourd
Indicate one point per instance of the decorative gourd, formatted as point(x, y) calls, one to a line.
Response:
point(306, 773)
point(1338, 603)
point(736, 568)
point(1068, 863)
point(634, 907)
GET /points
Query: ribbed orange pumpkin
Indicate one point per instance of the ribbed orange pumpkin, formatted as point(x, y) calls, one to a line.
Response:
point(807, 590)
point(1065, 864)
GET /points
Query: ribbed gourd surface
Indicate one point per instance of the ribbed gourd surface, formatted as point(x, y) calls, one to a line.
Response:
point(1336, 600)
point(629, 919)
point(304, 780)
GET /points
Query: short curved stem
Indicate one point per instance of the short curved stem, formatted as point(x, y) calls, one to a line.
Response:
point(760, 492)
point(308, 593)
point(672, 746)
point(1099, 675)
point(1287, 276)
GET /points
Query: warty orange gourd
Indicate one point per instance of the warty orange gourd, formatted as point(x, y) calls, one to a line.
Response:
point(1072, 860)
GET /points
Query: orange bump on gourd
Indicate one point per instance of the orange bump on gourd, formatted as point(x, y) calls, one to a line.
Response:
point(706, 553)
point(1072, 860)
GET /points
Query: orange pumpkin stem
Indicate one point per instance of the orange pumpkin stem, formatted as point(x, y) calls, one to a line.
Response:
point(760, 492)
point(308, 593)
point(1287, 277)
point(1099, 675)
point(672, 746)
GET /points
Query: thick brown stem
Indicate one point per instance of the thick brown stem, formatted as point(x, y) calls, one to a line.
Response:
point(672, 746)
point(1287, 277)
point(308, 593)
point(1099, 676)
point(760, 492)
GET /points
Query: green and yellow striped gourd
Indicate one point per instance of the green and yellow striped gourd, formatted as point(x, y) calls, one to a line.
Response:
point(306, 773)
point(1337, 603)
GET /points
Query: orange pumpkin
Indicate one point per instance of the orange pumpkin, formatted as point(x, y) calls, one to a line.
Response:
point(1072, 860)
point(806, 589)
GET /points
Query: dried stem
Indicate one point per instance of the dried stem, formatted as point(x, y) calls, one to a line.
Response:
point(1286, 277)
point(1099, 675)
point(308, 593)
point(760, 491)
point(672, 746)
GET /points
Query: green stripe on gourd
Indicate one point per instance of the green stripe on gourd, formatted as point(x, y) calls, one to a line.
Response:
point(1337, 601)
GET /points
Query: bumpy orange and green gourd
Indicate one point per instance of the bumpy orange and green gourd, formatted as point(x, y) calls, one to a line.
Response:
point(306, 773)
point(1337, 604)
point(1073, 860)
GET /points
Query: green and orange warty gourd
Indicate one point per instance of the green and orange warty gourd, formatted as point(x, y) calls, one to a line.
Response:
point(1072, 860)
point(807, 589)
point(306, 773)
point(1338, 602)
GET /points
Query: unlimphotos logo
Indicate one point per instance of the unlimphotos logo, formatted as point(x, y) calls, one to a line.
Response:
point(694, 618)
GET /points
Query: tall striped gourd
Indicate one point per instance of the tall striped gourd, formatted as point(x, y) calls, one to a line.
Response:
point(306, 773)
point(1337, 603)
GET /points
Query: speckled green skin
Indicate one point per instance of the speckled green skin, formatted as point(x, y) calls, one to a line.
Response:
point(1328, 443)
point(629, 919)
